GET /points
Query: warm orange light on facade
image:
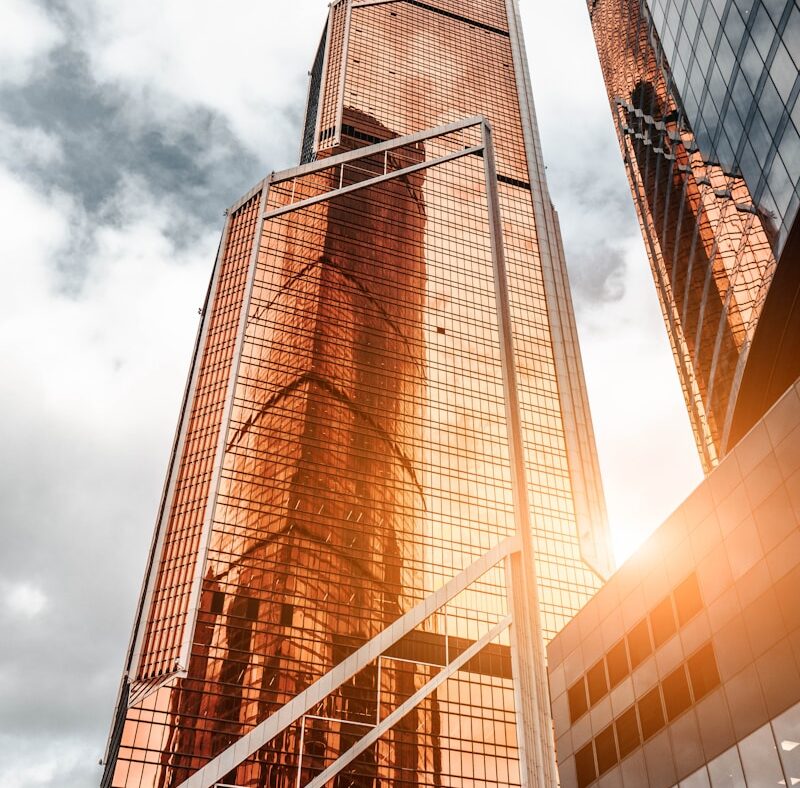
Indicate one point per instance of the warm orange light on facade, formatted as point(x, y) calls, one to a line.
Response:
point(345, 445)
point(710, 243)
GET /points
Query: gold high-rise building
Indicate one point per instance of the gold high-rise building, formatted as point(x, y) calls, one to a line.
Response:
point(385, 424)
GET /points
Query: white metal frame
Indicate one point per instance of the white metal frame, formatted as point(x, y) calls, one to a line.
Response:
point(377, 731)
point(205, 535)
point(582, 460)
point(301, 704)
point(534, 723)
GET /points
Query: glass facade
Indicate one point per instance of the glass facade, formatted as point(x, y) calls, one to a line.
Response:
point(684, 669)
point(344, 450)
point(735, 65)
point(704, 99)
point(769, 756)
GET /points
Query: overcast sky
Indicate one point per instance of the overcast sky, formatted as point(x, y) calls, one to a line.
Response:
point(125, 130)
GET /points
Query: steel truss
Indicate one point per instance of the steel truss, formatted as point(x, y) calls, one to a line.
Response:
point(531, 695)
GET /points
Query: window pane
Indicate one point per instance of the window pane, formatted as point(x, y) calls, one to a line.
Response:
point(617, 661)
point(726, 771)
point(606, 750)
point(775, 8)
point(762, 31)
point(791, 36)
point(651, 714)
point(676, 693)
point(688, 601)
point(639, 646)
point(703, 672)
point(662, 620)
point(598, 686)
point(759, 755)
point(584, 765)
point(578, 704)
point(784, 72)
point(627, 732)
point(787, 734)
point(779, 184)
point(698, 780)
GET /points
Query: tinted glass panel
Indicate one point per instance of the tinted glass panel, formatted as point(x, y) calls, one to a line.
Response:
point(651, 714)
point(676, 693)
point(726, 771)
point(598, 686)
point(688, 601)
point(606, 749)
point(698, 780)
point(578, 704)
point(663, 622)
point(787, 735)
point(760, 759)
point(584, 765)
point(639, 646)
point(628, 732)
point(703, 672)
point(617, 662)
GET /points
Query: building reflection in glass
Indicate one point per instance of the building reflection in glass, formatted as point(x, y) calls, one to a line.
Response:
point(710, 243)
point(344, 449)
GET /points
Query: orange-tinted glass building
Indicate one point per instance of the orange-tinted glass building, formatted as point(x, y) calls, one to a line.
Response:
point(384, 474)
point(704, 96)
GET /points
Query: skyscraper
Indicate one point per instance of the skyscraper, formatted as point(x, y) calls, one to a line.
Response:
point(385, 420)
point(704, 100)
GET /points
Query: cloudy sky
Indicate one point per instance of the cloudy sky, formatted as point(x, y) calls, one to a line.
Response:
point(125, 130)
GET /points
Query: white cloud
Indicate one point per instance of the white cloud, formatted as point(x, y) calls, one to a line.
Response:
point(25, 600)
point(90, 387)
point(647, 451)
point(26, 146)
point(67, 765)
point(85, 355)
point(26, 35)
point(35, 228)
point(247, 61)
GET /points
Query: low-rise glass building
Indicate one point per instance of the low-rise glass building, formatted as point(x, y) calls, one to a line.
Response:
point(684, 669)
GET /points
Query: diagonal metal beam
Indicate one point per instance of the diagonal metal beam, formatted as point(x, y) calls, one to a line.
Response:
point(365, 184)
point(301, 704)
point(529, 667)
point(401, 711)
point(370, 150)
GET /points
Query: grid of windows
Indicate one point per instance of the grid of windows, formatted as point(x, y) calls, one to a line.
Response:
point(686, 685)
point(768, 756)
point(735, 64)
point(364, 458)
point(709, 227)
point(649, 634)
point(473, 75)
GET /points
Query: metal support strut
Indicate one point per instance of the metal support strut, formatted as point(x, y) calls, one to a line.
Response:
point(529, 673)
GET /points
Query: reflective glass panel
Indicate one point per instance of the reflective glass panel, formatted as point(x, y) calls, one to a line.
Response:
point(726, 770)
point(762, 768)
point(787, 735)
point(698, 780)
